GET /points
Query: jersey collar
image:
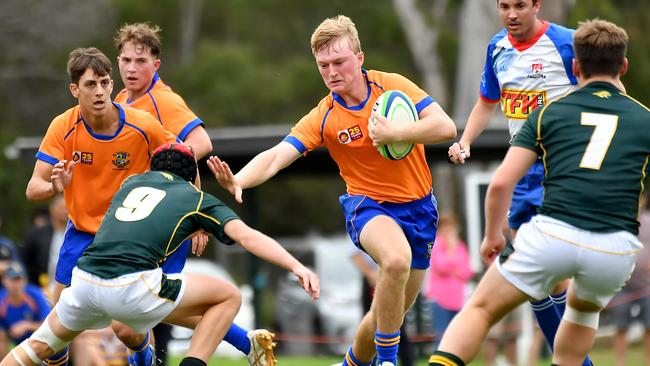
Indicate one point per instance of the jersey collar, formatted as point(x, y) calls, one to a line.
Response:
point(359, 107)
point(523, 46)
point(106, 137)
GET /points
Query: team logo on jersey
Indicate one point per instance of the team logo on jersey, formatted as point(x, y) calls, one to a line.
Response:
point(604, 94)
point(350, 134)
point(429, 249)
point(518, 104)
point(121, 160)
point(537, 71)
point(82, 157)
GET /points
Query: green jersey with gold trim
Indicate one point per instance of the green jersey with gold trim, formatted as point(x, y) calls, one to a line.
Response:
point(149, 217)
point(595, 144)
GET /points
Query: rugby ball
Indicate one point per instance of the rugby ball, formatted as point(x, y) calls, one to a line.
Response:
point(397, 107)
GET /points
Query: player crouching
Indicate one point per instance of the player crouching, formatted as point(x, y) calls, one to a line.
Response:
point(118, 277)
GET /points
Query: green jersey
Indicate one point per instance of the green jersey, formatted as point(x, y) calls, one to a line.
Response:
point(149, 217)
point(594, 144)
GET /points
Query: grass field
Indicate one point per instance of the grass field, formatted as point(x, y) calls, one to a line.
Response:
point(600, 356)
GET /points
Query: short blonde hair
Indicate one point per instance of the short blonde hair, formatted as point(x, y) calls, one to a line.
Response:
point(600, 47)
point(332, 29)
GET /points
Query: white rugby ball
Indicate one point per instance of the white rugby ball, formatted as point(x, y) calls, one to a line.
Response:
point(397, 107)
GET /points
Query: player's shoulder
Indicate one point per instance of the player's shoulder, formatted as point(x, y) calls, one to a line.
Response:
point(121, 97)
point(499, 36)
point(136, 117)
point(68, 118)
point(385, 79)
point(560, 35)
point(163, 92)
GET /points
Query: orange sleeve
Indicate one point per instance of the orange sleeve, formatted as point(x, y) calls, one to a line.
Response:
point(419, 97)
point(158, 135)
point(174, 114)
point(52, 147)
point(307, 134)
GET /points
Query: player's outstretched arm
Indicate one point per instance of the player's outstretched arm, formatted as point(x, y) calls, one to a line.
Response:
point(478, 120)
point(270, 250)
point(499, 195)
point(48, 180)
point(260, 169)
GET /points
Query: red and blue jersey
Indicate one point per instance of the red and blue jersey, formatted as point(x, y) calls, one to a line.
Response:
point(525, 76)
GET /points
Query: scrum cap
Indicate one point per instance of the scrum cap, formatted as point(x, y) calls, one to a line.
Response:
point(175, 158)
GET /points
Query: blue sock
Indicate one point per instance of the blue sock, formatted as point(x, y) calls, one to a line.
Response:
point(60, 358)
point(547, 318)
point(387, 345)
point(143, 353)
point(559, 302)
point(350, 360)
point(238, 337)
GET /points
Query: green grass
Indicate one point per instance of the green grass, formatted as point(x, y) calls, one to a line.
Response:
point(601, 356)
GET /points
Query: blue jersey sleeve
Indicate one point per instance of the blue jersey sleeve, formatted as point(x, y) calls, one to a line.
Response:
point(562, 38)
point(489, 88)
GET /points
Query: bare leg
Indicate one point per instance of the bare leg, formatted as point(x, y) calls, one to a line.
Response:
point(216, 302)
point(384, 240)
point(646, 346)
point(620, 347)
point(41, 349)
point(364, 344)
point(494, 297)
point(573, 341)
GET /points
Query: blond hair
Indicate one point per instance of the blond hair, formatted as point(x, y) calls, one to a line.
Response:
point(600, 47)
point(333, 29)
point(140, 34)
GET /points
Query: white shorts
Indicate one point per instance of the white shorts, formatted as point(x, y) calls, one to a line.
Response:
point(548, 251)
point(92, 302)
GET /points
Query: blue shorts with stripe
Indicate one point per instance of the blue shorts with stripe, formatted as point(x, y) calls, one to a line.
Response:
point(527, 196)
point(76, 241)
point(418, 220)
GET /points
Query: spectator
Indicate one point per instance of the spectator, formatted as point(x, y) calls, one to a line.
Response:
point(448, 276)
point(41, 244)
point(23, 307)
point(635, 293)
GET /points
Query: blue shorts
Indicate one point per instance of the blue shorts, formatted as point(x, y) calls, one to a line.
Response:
point(527, 196)
point(418, 219)
point(75, 243)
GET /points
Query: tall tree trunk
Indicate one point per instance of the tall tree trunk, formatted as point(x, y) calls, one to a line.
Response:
point(190, 25)
point(479, 21)
point(423, 40)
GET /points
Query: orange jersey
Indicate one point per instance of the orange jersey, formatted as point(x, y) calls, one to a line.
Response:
point(168, 108)
point(103, 162)
point(344, 131)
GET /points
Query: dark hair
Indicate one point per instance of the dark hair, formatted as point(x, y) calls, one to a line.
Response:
point(600, 47)
point(175, 158)
point(140, 34)
point(81, 59)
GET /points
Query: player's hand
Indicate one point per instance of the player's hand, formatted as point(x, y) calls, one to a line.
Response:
point(308, 280)
point(224, 176)
point(199, 242)
point(458, 153)
point(492, 247)
point(61, 175)
point(381, 131)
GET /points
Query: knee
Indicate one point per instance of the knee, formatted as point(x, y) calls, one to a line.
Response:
point(128, 336)
point(396, 266)
point(233, 296)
